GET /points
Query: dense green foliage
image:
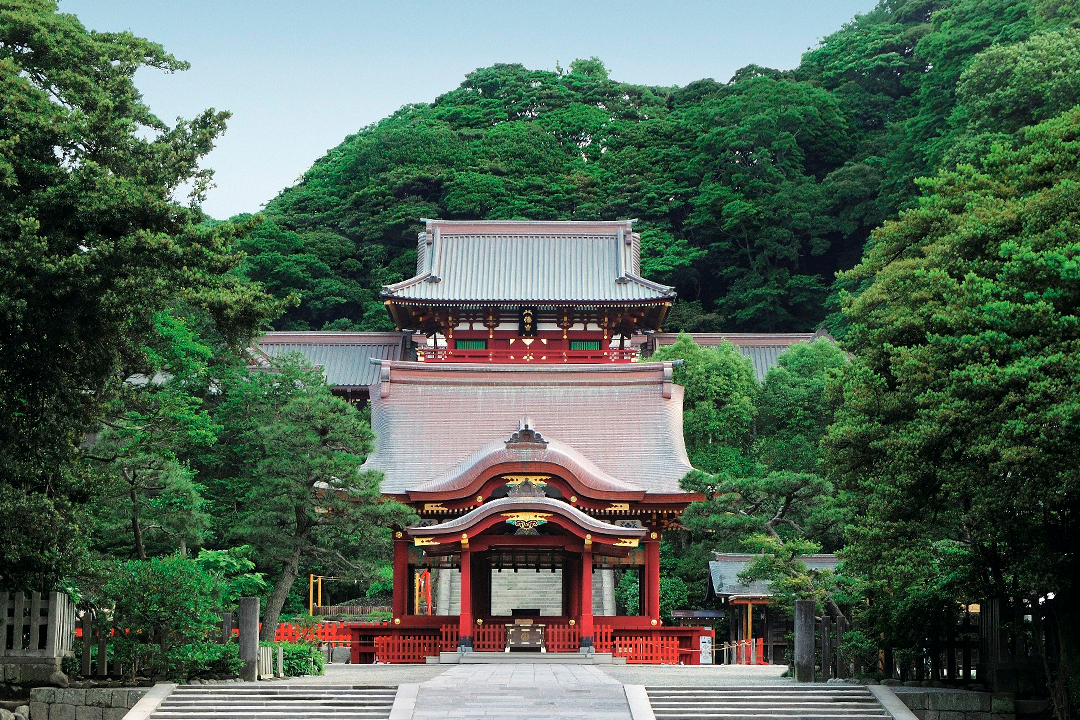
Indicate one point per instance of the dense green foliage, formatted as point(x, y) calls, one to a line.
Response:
point(751, 194)
point(956, 437)
point(285, 478)
point(98, 265)
point(756, 447)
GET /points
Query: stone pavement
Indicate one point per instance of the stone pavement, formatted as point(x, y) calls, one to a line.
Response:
point(535, 692)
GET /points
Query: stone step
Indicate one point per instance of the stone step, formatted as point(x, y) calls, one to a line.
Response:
point(323, 703)
point(810, 689)
point(769, 709)
point(780, 702)
point(721, 715)
point(277, 702)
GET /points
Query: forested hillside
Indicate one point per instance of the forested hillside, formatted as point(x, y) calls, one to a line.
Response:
point(751, 194)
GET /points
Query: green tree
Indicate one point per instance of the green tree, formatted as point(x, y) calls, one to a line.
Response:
point(285, 478)
point(718, 403)
point(92, 248)
point(955, 443)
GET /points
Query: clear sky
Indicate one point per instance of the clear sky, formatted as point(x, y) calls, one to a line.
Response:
point(300, 75)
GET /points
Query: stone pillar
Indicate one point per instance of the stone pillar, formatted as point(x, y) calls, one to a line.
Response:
point(651, 577)
point(400, 603)
point(465, 619)
point(249, 638)
point(804, 641)
point(586, 632)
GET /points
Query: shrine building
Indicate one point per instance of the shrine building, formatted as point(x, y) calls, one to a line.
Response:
point(543, 461)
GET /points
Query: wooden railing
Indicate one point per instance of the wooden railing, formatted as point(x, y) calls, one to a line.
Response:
point(656, 650)
point(536, 354)
point(562, 638)
point(489, 638)
point(406, 648)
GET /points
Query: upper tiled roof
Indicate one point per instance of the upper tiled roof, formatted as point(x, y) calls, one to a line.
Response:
point(344, 357)
point(512, 261)
point(763, 349)
point(431, 420)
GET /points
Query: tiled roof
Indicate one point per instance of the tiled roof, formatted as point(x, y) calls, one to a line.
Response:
point(724, 573)
point(511, 504)
point(763, 349)
point(430, 419)
point(344, 357)
point(492, 261)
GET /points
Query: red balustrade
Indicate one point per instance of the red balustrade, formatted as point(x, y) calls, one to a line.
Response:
point(489, 638)
point(658, 650)
point(406, 648)
point(561, 638)
point(524, 355)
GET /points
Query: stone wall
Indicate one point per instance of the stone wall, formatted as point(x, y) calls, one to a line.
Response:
point(83, 704)
point(947, 704)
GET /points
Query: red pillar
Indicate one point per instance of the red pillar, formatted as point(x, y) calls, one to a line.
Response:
point(401, 575)
point(465, 620)
point(571, 583)
point(586, 600)
point(652, 577)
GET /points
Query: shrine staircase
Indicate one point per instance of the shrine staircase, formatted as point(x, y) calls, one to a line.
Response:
point(768, 702)
point(270, 701)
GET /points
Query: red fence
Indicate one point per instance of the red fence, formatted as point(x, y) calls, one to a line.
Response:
point(334, 634)
point(657, 650)
point(406, 648)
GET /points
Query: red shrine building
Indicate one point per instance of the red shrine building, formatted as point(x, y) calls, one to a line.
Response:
point(542, 458)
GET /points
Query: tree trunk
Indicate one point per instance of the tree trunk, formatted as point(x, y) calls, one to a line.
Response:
point(274, 603)
point(136, 526)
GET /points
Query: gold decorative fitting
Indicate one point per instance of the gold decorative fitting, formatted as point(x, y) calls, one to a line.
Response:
point(479, 498)
point(573, 498)
point(464, 536)
point(398, 534)
point(513, 480)
point(423, 542)
point(588, 536)
point(627, 542)
point(479, 621)
point(397, 621)
point(435, 507)
point(653, 621)
point(516, 517)
point(573, 622)
point(652, 535)
point(619, 507)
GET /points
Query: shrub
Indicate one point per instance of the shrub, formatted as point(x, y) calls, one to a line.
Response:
point(162, 605)
point(207, 658)
point(300, 659)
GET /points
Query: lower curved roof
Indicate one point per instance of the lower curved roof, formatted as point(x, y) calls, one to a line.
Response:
point(624, 421)
point(548, 507)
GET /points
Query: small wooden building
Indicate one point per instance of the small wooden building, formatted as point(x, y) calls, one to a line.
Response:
point(757, 630)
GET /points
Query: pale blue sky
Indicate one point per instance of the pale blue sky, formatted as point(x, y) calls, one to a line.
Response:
point(299, 76)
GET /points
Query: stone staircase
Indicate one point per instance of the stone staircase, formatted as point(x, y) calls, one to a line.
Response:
point(775, 702)
point(268, 701)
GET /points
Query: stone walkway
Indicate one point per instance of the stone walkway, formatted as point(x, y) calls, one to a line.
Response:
point(536, 692)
